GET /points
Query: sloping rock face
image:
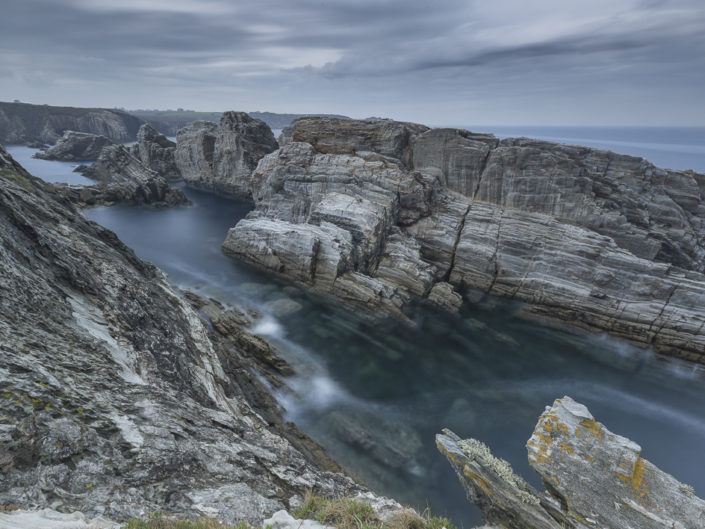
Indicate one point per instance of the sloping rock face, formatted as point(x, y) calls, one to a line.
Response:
point(379, 213)
point(122, 178)
point(222, 157)
point(593, 478)
point(119, 394)
point(156, 151)
point(76, 146)
point(25, 123)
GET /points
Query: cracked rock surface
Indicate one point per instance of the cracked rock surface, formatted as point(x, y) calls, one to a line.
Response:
point(379, 212)
point(121, 395)
point(593, 478)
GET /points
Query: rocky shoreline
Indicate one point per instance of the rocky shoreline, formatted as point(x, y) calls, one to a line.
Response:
point(379, 213)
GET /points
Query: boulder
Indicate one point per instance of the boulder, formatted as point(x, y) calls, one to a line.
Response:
point(593, 478)
point(76, 146)
point(222, 157)
point(155, 151)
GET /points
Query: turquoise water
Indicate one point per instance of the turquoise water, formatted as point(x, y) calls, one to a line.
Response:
point(375, 391)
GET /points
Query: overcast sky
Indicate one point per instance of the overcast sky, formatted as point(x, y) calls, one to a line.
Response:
point(452, 62)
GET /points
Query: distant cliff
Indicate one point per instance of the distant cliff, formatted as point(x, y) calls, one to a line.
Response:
point(169, 122)
point(25, 123)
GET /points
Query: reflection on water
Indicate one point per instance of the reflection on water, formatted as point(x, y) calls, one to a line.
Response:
point(375, 391)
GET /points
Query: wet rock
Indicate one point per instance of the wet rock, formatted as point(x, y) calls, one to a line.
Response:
point(593, 478)
point(222, 157)
point(123, 179)
point(156, 151)
point(444, 296)
point(76, 146)
point(283, 307)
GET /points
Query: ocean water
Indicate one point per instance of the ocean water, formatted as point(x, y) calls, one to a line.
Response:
point(374, 392)
point(51, 171)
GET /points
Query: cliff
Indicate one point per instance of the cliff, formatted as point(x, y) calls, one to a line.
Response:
point(381, 213)
point(25, 123)
point(120, 393)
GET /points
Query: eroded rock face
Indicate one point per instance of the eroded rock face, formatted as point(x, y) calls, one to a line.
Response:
point(76, 146)
point(222, 157)
point(122, 179)
point(120, 394)
point(379, 213)
point(593, 477)
point(156, 151)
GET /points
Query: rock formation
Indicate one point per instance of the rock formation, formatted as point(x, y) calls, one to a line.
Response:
point(155, 151)
point(378, 213)
point(593, 478)
point(76, 146)
point(122, 179)
point(122, 395)
point(25, 123)
point(222, 157)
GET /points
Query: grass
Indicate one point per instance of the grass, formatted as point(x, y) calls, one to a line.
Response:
point(159, 521)
point(347, 513)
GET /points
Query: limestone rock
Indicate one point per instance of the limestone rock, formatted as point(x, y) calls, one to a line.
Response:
point(284, 520)
point(123, 178)
point(593, 478)
point(156, 151)
point(124, 396)
point(50, 519)
point(76, 146)
point(444, 296)
point(596, 240)
point(222, 157)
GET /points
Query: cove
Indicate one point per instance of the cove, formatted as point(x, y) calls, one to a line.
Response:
point(374, 391)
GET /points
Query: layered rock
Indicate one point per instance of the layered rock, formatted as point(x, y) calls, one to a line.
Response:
point(25, 123)
point(379, 213)
point(156, 151)
point(122, 179)
point(222, 157)
point(76, 146)
point(593, 478)
point(120, 395)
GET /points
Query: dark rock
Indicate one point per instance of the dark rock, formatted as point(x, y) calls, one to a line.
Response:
point(76, 146)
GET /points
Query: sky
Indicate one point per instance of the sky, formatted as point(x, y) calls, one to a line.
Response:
point(439, 62)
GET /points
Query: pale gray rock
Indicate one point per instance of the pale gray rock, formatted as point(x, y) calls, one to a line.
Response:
point(50, 519)
point(444, 296)
point(585, 237)
point(593, 478)
point(222, 157)
point(284, 520)
point(76, 146)
point(125, 179)
point(125, 395)
point(156, 151)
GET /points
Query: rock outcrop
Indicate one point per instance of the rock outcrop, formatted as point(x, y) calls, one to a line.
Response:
point(122, 179)
point(380, 213)
point(593, 478)
point(76, 146)
point(25, 123)
point(122, 395)
point(156, 151)
point(222, 157)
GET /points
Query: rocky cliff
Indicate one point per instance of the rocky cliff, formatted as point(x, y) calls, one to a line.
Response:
point(222, 157)
point(156, 151)
point(122, 395)
point(379, 213)
point(593, 478)
point(76, 146)
point(25, 123)
point(122, 178)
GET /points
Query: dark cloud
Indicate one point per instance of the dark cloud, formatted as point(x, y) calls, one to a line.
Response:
point(636, 61)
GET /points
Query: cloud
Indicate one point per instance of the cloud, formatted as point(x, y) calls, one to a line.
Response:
point(352, 56)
